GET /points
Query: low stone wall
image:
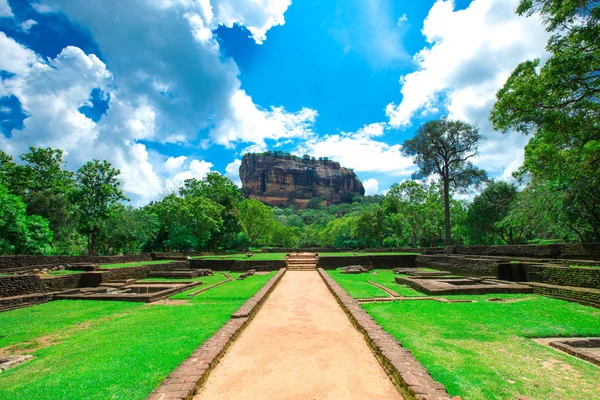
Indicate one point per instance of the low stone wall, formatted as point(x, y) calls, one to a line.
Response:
point(590, 297)
point(564, 276)
point(468, 266)
point(18, 285)
point(21, 262)
point(588, 251)
point(28, 284)
point(237, 266)
point(14, 302)
point(337, 250)
point(382, 262)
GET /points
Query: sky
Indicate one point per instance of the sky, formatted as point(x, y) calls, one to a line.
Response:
point(172, 89)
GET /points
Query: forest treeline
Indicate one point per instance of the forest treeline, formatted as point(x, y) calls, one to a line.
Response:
point(47, 209)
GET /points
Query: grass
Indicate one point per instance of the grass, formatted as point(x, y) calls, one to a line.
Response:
point(135, 264)
point(584, 266)
point(238, 257)
point(116, 350)
point(281, 256)
point(358, 287)
point(483, 350)
point(65, 272)
point(208, 280)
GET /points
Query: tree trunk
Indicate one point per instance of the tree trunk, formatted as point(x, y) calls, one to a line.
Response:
point(92, 244)
point(447, 210)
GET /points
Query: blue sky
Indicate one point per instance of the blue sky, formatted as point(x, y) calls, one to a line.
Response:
point(172, 89)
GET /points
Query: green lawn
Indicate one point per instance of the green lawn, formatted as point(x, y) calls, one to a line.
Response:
point(358, 287)
point(208, 280)
point(584, 266)
point(281, 256)
point(238, 257)
point(483, 350)
point(135, 264)
point(65, 272)
point(110, 350)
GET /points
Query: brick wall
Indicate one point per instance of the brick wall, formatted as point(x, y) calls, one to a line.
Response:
point(564, 276)
point(18, 285)
point(591, 298)
point(28, 284)
point(470, 266)
point(232, 265)
point(16, 262)
point(589, 251)
point(384, 262)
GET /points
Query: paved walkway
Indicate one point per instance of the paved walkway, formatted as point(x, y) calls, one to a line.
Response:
point(301, 346)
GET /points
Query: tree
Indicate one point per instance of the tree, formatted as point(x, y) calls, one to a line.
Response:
point(444, 148)
point(45, 185)
point(258, 220)
point(557, 103)
point(20, 233)
point(371, 227)
point(408, 200)
point(97, 191)
point(223, 191)
point(490, 207)
point(126, 230)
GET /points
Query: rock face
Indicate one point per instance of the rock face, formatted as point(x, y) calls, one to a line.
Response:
point(280, 180)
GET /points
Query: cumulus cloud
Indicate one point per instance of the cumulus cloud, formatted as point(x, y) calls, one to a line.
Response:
point(371, 186)
point(179, 70)
point(175, 163)
point(197, 169)
point(248, 123)
point(233, 171)
point(470, 54)
point(5, 10)
point(360, 151)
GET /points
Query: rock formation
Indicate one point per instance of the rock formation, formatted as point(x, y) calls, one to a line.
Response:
point(281, 180)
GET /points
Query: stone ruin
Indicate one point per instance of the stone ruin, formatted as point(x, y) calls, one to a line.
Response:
point(356, 269)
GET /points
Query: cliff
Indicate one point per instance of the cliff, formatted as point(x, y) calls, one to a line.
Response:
point(285, 180)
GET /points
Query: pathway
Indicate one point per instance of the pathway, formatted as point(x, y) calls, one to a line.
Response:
point(301, 346)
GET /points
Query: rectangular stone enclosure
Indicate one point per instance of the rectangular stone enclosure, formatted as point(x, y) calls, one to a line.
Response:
point(445, 286)
point(144, 293)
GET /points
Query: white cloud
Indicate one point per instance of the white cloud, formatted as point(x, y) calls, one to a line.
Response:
point(471, 52)
point(197, 169)
point(233, 171)
point(247, 123)
point(174, 163)
point(359, 151)
point(257, 16)
point(178, 72)
point(5, 10)
point(16, 58)
point(27, 25)
point(371, 186)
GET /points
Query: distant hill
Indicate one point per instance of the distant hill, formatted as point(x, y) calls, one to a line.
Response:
point(280, 179)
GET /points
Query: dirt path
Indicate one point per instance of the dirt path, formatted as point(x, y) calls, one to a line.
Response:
point(302, 346)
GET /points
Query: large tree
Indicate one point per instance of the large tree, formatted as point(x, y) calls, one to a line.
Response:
point(557, 103)
point(444, 148)
point(97, 191)
point(487, 210)
point(408, 201)
point(20, 233)
point(258, 221)
point(223, 191)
